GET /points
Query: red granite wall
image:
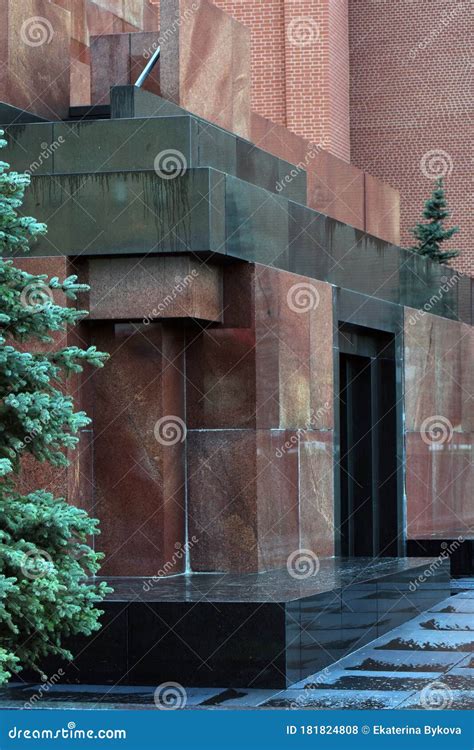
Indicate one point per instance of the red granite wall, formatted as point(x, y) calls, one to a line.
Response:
point(139, 479)
point(205, 63)
point(439, 423)
point(34, 56)
point(100, 18)
point(259, 403)
point(227, 430)
point(232, 425)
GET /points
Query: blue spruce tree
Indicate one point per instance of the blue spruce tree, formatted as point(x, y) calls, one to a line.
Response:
point(46, 563)
point(431, 234)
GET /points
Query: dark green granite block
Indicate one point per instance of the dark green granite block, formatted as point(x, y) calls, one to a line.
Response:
point(213, 146)
point(130, 101)
point(31, 148)
point(125, 212)
point(128, 144)
point(309, 252)
point(256, 224)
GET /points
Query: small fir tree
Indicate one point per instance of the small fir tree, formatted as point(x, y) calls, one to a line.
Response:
point(431, 235)
point(46, 563)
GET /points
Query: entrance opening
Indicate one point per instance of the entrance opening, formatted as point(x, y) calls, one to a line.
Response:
point(368, 440)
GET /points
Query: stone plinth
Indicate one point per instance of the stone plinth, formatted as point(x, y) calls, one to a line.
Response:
point(205, 65)
point(154, 288)
point(118, 59)
point(265, 630)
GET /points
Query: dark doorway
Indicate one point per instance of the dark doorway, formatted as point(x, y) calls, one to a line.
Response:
point(368, 440)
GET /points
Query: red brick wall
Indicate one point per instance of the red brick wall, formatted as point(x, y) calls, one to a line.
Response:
point(339, 78)
point(266, 22)
point(410, 96)
point(300, 66)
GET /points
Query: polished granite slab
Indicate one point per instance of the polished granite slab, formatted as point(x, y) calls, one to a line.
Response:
point(272, 586)
point(371, 676)
point(258, 631)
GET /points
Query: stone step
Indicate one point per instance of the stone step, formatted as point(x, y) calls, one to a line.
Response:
point(222, 618)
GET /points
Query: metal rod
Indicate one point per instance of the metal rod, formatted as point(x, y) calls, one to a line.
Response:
point(148, 68)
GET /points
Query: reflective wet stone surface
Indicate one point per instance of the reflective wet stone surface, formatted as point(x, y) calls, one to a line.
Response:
point(372, 677)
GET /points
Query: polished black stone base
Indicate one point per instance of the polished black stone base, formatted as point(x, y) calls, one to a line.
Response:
point(268, 630)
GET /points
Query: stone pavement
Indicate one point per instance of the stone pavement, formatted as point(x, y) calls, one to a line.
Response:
point(427, 663)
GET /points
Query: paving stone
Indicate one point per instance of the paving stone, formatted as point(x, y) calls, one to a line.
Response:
point(240, 698)
point(378, 680)
point(418, 640)
point(440, 699)
point(460, 679)
point(93, 695)
point(454, 604)
point(371, 659)
point(337, 699)
point(446, 622)
point(465, 663)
